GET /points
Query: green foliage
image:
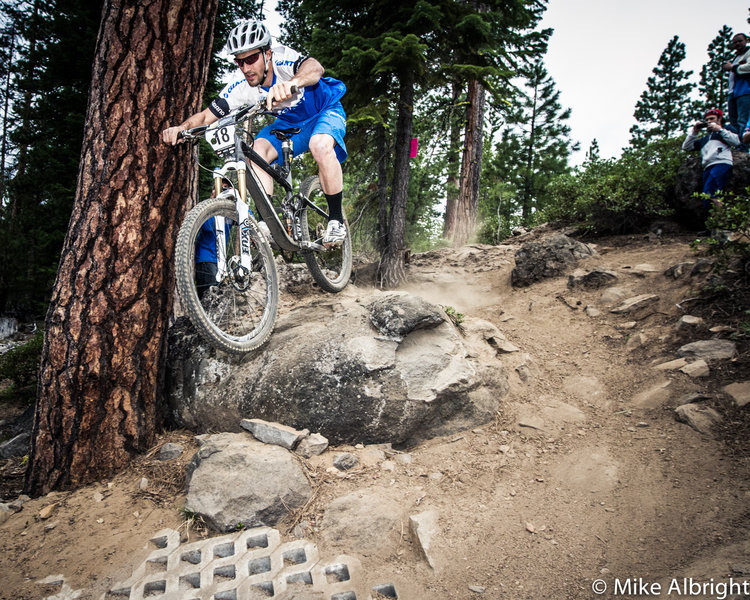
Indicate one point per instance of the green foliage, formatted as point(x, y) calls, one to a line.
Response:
point(456, 317)
point(714, 81)
point(618, 196)
point(21, 365)
point(730, 223)
point(665, 106)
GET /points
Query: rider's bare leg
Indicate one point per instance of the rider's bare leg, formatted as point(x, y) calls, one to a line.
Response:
point(269, 154)
point(329, 168)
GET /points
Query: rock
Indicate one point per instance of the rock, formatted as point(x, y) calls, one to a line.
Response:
point(701, 267)
point(313, 445)
point(477, 589)
point(613, 295)
point(644, 269)
point(424, 528)
point(170, 451)
point(46, 512)
point(699, 417)
point(5, 512)
point(699, 368)
point(689, 323)
point(654, 396)
point(143, 484)
point(635, 340)
point(372, 456)
point(739, 391)
point(635, 304)
point(404, 459)
point(627, 326)
point(678, 270)
point(274, 433)
point(326, 369)
point(345, 461)
point(18, 503)
point(709, 350)
point(362, 519)
point(235, 481)
point(596, 278)
point(672, 365)
point(397, 315)
point(592, 312)
point(16, 446)
point(550, 257)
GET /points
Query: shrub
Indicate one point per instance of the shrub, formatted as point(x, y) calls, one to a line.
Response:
point(21, 365)
point(618, 196)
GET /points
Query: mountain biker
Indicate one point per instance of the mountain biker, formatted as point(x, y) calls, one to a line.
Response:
point(315, 108)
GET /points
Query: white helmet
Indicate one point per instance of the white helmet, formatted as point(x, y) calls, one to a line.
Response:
point(248, 35)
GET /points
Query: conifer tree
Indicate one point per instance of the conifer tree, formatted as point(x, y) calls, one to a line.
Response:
point(536, 145)
point(665, 106)
point(713, 79)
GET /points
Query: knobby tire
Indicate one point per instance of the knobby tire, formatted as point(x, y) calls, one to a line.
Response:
point(236, 313)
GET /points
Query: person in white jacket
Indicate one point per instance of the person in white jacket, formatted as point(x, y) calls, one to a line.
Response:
point(716, 152)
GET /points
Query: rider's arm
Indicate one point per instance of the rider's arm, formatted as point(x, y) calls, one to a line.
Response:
point(309, 73)
point(205, 117)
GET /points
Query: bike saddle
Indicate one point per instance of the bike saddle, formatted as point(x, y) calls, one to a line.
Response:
point(285, 134)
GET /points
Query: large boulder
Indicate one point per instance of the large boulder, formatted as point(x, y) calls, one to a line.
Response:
point(356, 368)
point(550, 257)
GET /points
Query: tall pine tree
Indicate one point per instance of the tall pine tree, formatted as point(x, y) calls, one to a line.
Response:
point(713, 79)
point(665, 105)
point(536, 144)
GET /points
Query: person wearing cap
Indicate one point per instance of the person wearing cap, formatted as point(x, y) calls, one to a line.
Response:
point(302, 98)
point(716, 152)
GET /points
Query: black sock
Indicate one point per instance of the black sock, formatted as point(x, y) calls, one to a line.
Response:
point(335, 210)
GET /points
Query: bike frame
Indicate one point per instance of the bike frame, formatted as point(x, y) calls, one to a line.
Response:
point(242, 155)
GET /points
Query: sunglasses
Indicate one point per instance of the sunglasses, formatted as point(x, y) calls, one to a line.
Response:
point(248, 60)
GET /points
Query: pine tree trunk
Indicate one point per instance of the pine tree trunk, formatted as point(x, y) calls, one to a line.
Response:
point(471, 166)
point(528, 179)
point(453, 179)
point(380, 146)
point(103, 359)
point(392, 259)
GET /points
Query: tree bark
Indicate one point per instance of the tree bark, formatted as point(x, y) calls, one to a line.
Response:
point(471, 167)
point(380, 145)
point(392, 259)
point(453, 180)
point(103, 360)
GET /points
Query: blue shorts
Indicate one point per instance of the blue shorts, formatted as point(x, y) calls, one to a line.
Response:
point(331, 121)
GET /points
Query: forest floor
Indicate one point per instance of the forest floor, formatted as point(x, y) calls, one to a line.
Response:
point(584, 474)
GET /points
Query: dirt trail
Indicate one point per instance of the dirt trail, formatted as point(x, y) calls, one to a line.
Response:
point(575, 480)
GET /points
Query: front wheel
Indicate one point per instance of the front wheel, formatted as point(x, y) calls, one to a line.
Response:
point(330, 268)
point(230, 296)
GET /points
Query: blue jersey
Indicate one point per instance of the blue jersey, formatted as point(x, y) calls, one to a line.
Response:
point(306, 104)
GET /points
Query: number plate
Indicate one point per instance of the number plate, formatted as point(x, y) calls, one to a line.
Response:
point(221, 137)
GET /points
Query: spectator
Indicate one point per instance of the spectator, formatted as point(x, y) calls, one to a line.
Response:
point(715, 148)
point(739, 83)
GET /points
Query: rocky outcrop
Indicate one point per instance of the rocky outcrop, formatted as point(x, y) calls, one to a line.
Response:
point(550, 257)
point(369, 368)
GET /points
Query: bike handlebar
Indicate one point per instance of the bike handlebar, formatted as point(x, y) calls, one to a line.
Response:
point(238, 115)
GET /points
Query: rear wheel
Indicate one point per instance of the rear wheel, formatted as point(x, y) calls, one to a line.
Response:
point(232, 303)
point(330, 268)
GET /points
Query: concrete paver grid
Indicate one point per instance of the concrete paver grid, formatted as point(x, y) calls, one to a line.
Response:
point(247, 565)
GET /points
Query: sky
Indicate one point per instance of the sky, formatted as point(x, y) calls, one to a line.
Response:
point(602, 53)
